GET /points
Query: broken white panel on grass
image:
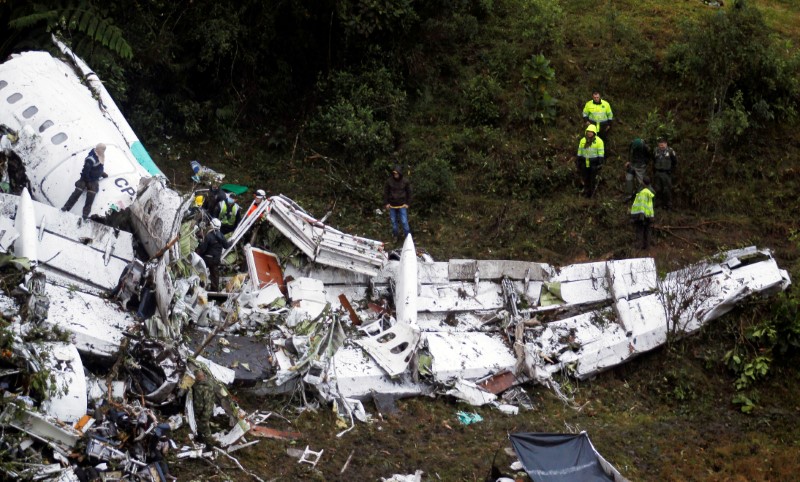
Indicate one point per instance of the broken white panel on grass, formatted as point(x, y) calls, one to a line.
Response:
point(393, 348)
point(471, 393)
point(357, 375)
point(96, 325)
point(323, 244)
point(67, 402)
point(238, 431)
point(471, 356)
point(630, 277)
point(308, 300)
point(73, 251)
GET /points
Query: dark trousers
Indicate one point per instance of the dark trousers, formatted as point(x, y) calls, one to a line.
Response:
point(91, 188)
point(643, 229)
point(213, 273)
point(663, 187)
point(588, 175)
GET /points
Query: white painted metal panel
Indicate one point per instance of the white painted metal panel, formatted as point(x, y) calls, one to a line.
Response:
point(358, 376)
point(470, 355)
point(95, 324)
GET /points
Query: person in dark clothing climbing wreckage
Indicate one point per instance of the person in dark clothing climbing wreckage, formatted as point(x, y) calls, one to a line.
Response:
point(210, 249)
point(214, 197)
point(397, 198)
point(89, 181)
point(203, 399)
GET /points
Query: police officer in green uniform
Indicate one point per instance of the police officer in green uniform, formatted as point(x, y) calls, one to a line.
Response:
point(664, 164)
point(203, 399)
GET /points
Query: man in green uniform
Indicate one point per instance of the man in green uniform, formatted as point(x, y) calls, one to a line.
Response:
point(664, 164)
point(598, 112)
point(203, 399)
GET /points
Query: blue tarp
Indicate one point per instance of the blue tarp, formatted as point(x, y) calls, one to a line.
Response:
point(555, 457)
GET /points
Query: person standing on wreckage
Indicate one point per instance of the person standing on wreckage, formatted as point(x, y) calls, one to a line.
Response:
point(397, 197)
point(203, 400)
point(90, 179)
point(210, 250)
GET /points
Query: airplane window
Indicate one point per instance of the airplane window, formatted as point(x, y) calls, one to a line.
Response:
point(30, 112)
point(158, 225)
point(58, 138)
point(13, 98)
point(3, 84)
point(45, 125)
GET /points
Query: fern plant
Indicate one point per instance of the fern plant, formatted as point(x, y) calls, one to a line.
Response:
point(66, 19)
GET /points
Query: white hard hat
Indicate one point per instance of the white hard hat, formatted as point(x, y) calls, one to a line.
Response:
point(260, 193)
point(216, 223)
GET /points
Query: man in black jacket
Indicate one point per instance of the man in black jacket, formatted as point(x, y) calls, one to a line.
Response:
point(211, 252)
point(397, 197)
point(90, 180)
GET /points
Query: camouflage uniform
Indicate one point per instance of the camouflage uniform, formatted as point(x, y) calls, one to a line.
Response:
point(203, 399)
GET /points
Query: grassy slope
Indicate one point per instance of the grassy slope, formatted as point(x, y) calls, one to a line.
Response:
point(666, 416)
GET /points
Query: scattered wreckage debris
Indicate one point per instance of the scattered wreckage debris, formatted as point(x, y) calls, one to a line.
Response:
point(332, 315)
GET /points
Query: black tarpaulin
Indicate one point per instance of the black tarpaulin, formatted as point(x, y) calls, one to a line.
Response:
point(555, 457)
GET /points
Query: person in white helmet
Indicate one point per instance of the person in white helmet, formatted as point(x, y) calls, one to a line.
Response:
point(90, 180)
point(211, 251)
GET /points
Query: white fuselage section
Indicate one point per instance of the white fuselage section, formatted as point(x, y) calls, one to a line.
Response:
point(60, 120)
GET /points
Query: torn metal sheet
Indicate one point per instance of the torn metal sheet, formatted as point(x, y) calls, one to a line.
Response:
point(60, 437)
point(157, 213)
point(323, 244)
point(357, 376)
point(308, 300)
point(630, 277)
point(75, 251)
point(470, 356)
point(96, 325)
point(392, 349)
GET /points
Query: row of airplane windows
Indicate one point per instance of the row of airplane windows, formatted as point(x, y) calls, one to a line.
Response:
point(31, 111)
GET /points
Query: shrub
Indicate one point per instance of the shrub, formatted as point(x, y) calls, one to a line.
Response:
point(432, 183)
point(537, 79)
point(737, 69)
point(358, 118)
point(482, 99)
